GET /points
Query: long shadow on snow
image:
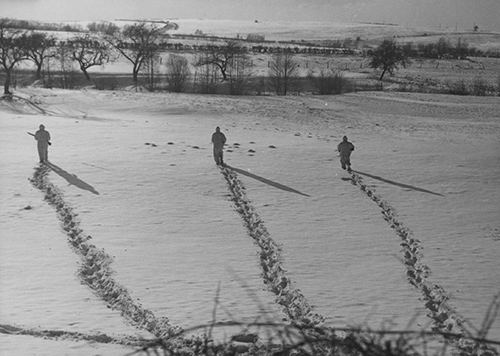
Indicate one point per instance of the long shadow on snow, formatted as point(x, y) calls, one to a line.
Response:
point(398, 184)
point(267, 181)
point(72, 179)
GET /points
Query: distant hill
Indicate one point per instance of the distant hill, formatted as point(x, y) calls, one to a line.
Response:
point(368, 33)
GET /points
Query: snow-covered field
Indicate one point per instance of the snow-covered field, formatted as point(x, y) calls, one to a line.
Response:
point(168, 230)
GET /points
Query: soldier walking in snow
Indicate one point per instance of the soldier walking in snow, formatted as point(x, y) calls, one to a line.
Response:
point(345, 149)
point(218, 140)
point(43, 138)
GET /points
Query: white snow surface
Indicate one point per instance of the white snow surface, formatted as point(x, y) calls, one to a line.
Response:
point(137, 169)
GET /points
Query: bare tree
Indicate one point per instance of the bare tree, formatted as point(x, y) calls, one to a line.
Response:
point(206, 77)
point(177, 72)
point(40, 47)
point(282, 68)
point(388, 56)
point(239, 72)
point(150, 67)
point(138, 43)
point(88, 52)
point(220, 56)
point(64, 57)
point(12, 51)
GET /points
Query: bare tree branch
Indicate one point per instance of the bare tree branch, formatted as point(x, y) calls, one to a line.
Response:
point(137, 43)
point(88, 52)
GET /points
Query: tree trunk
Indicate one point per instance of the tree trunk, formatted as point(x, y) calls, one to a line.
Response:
point(134, 77)
point(152, 74)
point(223, 72)
point(383, 72)
point(39, 71)
point(6, 84)
point(84, 70)
point(135, 73)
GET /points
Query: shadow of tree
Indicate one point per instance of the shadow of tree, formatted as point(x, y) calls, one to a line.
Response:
point(71, 178)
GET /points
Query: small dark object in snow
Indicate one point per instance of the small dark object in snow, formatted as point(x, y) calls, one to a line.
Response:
point(147, 143)
point(297, 134)
point(170, 143)
point(246, 338)
point(195, 147)
point(272, 146)
point(251, 151)
point(236, 144)
point(251, 142)
point(28, 207)
point(154, 145)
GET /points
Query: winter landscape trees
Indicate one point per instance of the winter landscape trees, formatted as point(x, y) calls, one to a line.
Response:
point(240, 72)
point(88, 52)
point(220, 56)
point(177, 72)
point(40, 46)
point(388, 56)
point(13, 44)
point(209, 64)
point(138, 43)
point(283, 68)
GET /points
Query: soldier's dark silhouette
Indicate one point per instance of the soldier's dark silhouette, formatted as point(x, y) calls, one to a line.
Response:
point(345, 149)
point(43, 137)
point(218, 140)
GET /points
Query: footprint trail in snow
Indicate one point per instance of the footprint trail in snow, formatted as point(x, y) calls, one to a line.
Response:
point(444, 318)
point(95, 270)
point(291, 299)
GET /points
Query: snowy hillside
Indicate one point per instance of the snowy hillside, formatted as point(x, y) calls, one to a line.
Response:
point(131, 229)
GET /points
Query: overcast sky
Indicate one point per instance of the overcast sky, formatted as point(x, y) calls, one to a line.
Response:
point(462, 14)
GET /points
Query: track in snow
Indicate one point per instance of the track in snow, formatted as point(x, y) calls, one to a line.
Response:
point(95, 270)
point(444, 318)
point(73, 336)
point(96, 273)
point(292, 300)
